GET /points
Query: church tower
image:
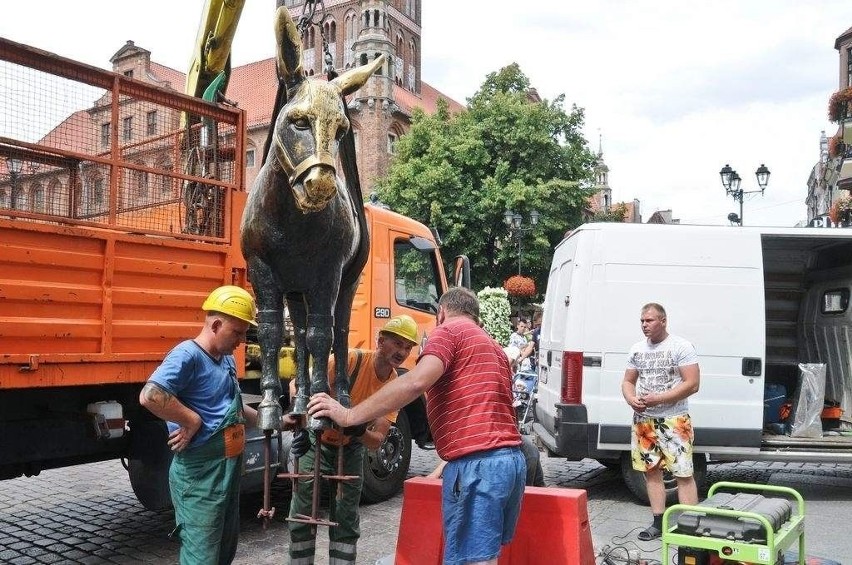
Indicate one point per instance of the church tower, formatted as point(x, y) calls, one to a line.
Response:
point(603, 193)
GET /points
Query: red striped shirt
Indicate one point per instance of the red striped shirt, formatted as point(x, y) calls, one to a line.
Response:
point(470, 406)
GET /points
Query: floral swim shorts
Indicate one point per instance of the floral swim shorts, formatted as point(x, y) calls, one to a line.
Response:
point(664, 442)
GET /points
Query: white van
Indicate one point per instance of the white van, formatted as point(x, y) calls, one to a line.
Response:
point(755, 302)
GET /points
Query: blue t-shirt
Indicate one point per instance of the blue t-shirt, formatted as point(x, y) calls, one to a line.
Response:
point(204, 385)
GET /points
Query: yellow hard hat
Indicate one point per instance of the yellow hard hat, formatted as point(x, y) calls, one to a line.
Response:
point(233, 301)
point(404, 326)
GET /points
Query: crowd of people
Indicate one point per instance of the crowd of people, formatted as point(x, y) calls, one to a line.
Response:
point(466, 377)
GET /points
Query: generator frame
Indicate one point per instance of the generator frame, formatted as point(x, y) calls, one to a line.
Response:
point(741, 551)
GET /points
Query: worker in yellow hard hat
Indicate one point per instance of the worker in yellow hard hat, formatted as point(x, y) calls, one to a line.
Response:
point(368, 371)
point(195, 390)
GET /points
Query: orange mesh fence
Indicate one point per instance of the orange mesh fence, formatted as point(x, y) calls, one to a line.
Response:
point(81, 145)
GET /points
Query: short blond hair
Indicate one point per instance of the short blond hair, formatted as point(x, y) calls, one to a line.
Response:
point(655, 306)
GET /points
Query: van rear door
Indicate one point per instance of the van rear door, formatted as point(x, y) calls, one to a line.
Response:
point(555, 326)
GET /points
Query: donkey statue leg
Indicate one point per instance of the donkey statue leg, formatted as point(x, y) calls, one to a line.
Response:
point(342, 315)
point(319, 338)
point(299, 317)
point(270, 334)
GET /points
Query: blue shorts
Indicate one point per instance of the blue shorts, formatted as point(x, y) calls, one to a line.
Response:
point(481, 495)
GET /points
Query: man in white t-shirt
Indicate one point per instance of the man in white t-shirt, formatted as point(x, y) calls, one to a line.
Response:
point(662, 373)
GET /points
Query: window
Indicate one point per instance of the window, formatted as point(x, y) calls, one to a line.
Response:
point(249, 158)
point(416, 274)
point(105, 135)
point(835, 301)
point(350, 34)
point(98, 197)
point(163, 181)
point(57, 198)
point(330, 27)
point(37, 198)
point(849, 66)
point(412, 66)
point(392, 143)
point(4, 199)
point(129, 74)
point(151, 120)
point(127, 128)
point(141, 178)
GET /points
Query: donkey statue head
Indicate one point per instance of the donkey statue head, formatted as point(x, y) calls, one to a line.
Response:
point(309, 128)
point(304, 232)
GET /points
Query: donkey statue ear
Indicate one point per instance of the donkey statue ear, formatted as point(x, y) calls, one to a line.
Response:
point(353, 79)
point(289, 56)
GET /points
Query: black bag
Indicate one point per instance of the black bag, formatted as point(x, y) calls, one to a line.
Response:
point(776, 510)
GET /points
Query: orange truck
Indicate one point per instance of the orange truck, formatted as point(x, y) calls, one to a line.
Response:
point(115, 222)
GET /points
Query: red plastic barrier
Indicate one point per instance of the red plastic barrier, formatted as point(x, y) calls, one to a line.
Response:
point(553, 528)
point(420, 540)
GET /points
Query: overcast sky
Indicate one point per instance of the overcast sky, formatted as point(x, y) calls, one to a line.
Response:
point(676, 88)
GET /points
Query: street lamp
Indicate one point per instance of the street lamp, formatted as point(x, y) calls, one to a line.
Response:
point(731, 182)
point(14, 166)
point(516, 229)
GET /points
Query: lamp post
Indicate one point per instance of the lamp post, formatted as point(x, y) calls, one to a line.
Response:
point(516, 228)
point(731, 182)
point(14, 166)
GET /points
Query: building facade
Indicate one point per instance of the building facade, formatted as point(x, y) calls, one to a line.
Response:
point(830, 180)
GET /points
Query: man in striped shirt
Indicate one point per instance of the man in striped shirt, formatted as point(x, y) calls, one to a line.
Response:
point(467, 380)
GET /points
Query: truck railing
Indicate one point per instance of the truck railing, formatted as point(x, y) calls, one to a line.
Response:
point(84, 146)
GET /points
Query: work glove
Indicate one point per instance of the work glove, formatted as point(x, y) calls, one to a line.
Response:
point(301, 442)
point(355, 431)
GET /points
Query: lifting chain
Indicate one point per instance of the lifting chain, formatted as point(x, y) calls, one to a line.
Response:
point(311, 16)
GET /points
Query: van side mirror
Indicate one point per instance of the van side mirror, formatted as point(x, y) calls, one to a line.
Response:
point(461, 275)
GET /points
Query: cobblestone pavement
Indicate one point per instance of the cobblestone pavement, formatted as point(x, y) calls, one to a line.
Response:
point(88, 514)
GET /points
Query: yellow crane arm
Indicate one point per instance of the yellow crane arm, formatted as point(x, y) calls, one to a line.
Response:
point(212, 53)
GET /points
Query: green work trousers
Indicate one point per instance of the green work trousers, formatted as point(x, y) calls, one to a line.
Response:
point(343, 538)
point(205, 489)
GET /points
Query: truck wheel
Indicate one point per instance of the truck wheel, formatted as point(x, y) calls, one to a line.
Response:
point(148, 464)
point(635, 480)
point(386, 468)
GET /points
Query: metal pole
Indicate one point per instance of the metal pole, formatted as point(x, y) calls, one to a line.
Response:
point(520, 239)
point(741, 209)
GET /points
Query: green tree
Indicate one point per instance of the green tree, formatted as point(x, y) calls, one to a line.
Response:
point(508, 150)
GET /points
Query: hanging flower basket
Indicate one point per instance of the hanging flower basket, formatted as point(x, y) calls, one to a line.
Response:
point(838, 105)
point(837, 211)
point(520, 286)
point(836, 147)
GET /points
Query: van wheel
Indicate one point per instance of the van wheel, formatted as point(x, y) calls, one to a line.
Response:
point(635, 480)
point(386, 468)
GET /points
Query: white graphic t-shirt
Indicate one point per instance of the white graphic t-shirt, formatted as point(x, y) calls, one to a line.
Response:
point(658, 364)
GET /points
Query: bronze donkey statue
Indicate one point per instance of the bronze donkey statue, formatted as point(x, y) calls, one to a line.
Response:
point(304, 232)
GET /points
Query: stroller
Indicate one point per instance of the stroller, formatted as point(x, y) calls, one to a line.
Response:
point(524, 388)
